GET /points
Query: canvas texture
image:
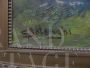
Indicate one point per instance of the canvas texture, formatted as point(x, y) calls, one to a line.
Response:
point(51, 23)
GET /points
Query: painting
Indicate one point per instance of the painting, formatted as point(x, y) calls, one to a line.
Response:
point(50, 24)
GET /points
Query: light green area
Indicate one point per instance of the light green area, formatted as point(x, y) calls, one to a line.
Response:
point(80, 29)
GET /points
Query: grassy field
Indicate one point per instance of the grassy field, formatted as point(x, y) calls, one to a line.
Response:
point(80, 29)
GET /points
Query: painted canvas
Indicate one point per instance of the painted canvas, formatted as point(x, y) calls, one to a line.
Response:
point(51, 23)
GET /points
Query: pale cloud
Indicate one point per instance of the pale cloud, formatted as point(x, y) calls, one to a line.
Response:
point(60, 2)
point(45, 4)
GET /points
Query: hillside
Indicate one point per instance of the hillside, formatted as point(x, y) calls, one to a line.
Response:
point(80, 29)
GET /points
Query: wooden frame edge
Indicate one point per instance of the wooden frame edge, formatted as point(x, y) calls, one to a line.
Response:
point(84, 50)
